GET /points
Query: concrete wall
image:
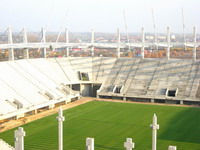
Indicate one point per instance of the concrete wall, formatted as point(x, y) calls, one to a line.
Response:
point(86, 89)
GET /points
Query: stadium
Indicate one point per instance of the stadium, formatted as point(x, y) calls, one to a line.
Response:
point(98, 102)
point(33, 86)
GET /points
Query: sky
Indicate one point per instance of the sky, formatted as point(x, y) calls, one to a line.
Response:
point(102, 15)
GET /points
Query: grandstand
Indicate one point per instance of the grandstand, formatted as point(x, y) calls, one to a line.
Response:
point(31, 84)
point(5, 146)
point(153, 80)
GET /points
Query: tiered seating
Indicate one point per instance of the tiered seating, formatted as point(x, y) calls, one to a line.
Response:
point(5, 146)
point(18, 84)
point(101, 67)
point(142, 77)
point(134, 63)
point(109, 83)
point(50, 69)
point(38, 79)
point(152, 78)
point(183, 76)
point(39, 82)
point(176, 74)
point(6, 107)
point(194, 83)
point(82, 64)
point(68, 70)
point(151, 89)
point(10, 93)
point(33, 83)
point(167, 76)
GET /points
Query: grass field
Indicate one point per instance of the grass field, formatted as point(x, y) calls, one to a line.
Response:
point(111, 123)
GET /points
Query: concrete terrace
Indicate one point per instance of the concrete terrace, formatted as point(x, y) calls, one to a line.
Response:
point(28, 85)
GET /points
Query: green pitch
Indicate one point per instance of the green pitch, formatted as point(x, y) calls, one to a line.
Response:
point(111, 123)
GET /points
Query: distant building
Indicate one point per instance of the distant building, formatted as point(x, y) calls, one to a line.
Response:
point(150, 37)
point(173, 37)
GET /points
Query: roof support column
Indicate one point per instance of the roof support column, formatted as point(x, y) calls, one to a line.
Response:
point(92, 41)
point(25, 51)
point(143, 43)
point(168, 43)
point(195, 45)
point(119, 41)
point(10, 41)
point(44, 52)
point(67, 41)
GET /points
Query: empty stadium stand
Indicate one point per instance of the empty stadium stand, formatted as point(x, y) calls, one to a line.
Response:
point(28, 85)
point(5, 146)
point(171, 81)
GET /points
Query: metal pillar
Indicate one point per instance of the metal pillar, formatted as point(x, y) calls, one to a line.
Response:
point(119, 41)
point(19, 139)
point(44, 53)
point(67, 41)
point(89, 143)
point(154, 127)
point(25, 51)
point(195, 45)
point(60, 119)
point(92, 42)
point(168, 43)
point(143, 43)
point(10, 41)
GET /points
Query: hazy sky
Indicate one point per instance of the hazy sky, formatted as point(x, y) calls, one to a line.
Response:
point(102, 15)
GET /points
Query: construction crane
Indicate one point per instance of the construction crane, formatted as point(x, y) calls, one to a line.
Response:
point(154, 27)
